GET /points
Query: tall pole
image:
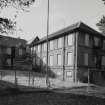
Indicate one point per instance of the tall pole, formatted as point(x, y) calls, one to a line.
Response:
point(47, 77)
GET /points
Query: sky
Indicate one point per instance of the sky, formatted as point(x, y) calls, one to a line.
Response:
point(63, 13)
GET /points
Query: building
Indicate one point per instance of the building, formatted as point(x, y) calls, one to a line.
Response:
point(10, 49)
point(75, 53)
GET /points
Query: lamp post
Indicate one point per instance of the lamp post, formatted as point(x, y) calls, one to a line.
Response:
point(47, 77)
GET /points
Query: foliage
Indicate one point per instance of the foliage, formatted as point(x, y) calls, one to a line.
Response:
point(101, 23)
point(8, 25)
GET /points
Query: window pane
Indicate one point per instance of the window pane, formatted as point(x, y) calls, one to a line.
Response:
point(59, 43)
point(86, 59)
point(59, 60)
point(51, 60)
point(70, 39)
point(44, 60)
point(96, 41)
point(38, 48)
point(86, 39)
point(51, 45)
point(20, 52)
point(9, 62)
point(45, 47)
point(69, 59)
point(69, 74)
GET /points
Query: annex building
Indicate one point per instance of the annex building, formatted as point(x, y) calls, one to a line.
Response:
point(74, 53)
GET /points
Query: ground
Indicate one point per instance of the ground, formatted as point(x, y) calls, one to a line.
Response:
point(10, 95)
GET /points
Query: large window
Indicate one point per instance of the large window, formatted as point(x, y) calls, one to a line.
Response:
point(59, 59)
point(96, 41)
point(38, 48)
point(103, 60)
point(51, 60)
point(70, 39)
point(44, 47)
point(51, 45)
point(59, 43)
point(44, 60)
point(69, 58)
point(86, 59)
point(87, 40)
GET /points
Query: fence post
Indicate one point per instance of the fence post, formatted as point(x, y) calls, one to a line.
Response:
point(29, 79)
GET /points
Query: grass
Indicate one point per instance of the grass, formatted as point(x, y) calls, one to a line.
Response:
point(9, 95)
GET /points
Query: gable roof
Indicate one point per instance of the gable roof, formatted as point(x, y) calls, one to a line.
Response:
point(79, 26)
point(11, 42)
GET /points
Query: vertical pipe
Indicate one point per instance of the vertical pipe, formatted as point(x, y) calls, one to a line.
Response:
point(47, 78)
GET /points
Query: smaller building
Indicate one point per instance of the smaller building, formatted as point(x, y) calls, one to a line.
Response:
point(10, 49)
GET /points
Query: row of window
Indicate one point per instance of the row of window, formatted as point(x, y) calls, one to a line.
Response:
point(59, 59)
point(58, 42)
point(96, 59)
point(96, 41)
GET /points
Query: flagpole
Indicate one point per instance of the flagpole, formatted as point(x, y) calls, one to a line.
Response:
point(47, 77)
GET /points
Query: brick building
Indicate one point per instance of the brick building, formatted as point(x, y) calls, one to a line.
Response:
point(73, 53)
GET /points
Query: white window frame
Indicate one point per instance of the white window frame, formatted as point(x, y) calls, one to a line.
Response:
point(51, 60)
point(59, 43)
point(59, 59)
point(70, 39)
point(51, 45)
point(70, 58)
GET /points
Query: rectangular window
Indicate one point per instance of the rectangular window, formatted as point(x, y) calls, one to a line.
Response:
point(59, 43)
point(34, 61)
point(38, 48)
point(87, 40)
point(51, 60)
point(69, 58)
point(86, 59)
point(96, 41)
point(69, 74)
point(59, 60)
point(9, 62)
point(9, 51)
point(44, 47)
point(51, 45)
point(70, 39)
point(44, 60)
point(103, 60)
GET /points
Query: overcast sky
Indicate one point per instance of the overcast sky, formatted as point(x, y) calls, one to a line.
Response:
point(62, 14)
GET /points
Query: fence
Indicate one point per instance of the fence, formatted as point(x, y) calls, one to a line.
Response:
point(25, 78)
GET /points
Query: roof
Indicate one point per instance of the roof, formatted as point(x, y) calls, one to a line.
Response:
point(79, 26)
point(11, 42)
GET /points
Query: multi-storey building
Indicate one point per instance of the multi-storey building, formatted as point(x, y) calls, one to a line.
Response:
point(10, 48)
point(74, 53)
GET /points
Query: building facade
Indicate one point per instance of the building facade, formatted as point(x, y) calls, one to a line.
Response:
point(10, 49)
point(75, 53)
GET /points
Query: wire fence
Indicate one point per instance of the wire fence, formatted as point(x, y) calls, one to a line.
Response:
point(25, 78)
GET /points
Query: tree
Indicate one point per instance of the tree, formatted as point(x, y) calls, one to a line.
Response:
point(101, 23)
point(8, 25)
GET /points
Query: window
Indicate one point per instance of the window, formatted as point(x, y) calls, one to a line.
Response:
point(103, 60)
point(34, 50)
point(38, 48)
point(87, 40)
point(86, 59)
point(44, 47)
point(8, 50)
point(59, 43)
point(51, 45)
point(103, 44)
point(69, 74)
point(9, 62)
point(96, 41)
point(44, 60)
point(34, 61)
point(69, 59)
point(59, 60)
point(51, 60)
point(70, 39)
point(20, 52)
